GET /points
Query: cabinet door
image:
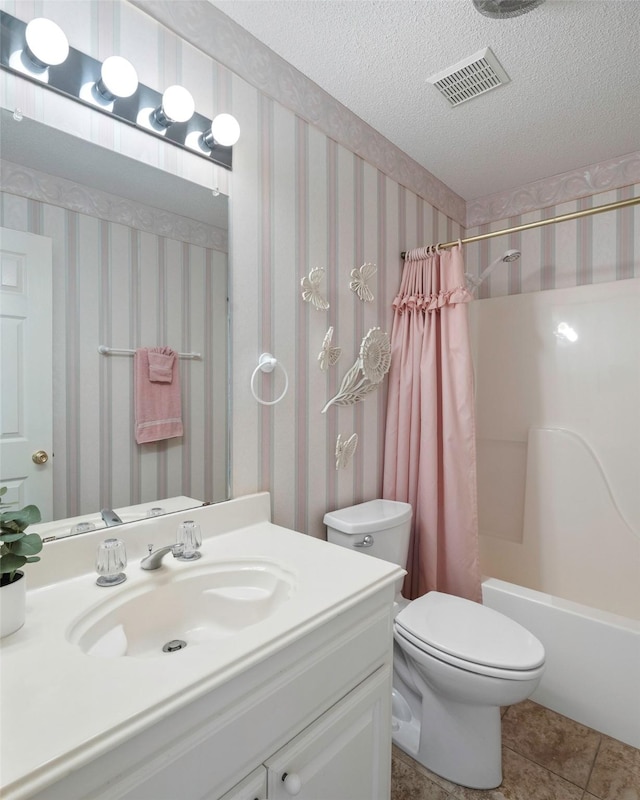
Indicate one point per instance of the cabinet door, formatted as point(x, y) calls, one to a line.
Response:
point(253, 787)
point(343, 755)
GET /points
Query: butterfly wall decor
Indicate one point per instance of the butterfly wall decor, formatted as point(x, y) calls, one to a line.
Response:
point(360, 279)
point(329, 355)
point(345, 448)
point(311, 289)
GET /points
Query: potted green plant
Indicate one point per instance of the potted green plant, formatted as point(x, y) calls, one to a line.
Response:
point(17, 548)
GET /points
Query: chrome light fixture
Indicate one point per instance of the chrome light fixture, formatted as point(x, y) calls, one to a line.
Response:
point(39, 51)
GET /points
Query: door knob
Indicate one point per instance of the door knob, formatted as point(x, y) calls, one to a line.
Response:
point(40, 457)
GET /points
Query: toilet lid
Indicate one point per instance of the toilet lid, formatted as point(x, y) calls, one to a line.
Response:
point(471, 632)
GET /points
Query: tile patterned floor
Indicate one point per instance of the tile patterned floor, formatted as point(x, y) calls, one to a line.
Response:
point(545, 757)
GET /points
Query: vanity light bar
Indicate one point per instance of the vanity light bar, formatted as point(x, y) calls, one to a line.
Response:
point(94, 84)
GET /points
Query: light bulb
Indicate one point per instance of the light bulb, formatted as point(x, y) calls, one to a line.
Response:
point(177, 106)
point(118, 78)
point(47, 46)
point(224, 130)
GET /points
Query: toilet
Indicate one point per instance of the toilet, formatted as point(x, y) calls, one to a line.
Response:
point(455, 662)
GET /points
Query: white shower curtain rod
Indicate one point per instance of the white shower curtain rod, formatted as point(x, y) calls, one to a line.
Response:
point(587, 212)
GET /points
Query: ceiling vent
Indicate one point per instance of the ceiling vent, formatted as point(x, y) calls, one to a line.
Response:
point(470, 77)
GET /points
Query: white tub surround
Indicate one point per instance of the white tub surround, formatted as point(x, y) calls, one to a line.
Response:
point(558, 377)
point(83, 725)
point(559, 509)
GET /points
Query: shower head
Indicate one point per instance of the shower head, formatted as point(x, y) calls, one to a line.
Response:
point(507, 257)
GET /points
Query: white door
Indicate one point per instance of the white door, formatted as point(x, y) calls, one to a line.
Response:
point(26, 413)
point(343, 755)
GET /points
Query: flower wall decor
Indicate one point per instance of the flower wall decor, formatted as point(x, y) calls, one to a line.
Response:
point(345, 450)
point(373, 362)
point(360, 279)
point(311, 290)
point(375, 355)
point(329, 355)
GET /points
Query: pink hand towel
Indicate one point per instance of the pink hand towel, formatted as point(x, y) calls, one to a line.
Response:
point(161, 364)
point(158, 404)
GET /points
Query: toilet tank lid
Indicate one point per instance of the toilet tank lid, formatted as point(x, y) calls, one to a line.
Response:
point(374, 515)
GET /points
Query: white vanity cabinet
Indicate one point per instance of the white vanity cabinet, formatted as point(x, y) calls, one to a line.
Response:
point(343, 755)
point(253, 787)
point(295, 702)
point(317, 711)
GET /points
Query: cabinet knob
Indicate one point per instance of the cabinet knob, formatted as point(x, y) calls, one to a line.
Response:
point(292, 783)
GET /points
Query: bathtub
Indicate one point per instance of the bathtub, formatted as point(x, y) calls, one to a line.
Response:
point(592, 672)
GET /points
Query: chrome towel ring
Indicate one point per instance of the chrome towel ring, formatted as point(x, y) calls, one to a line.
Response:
point(267, 363)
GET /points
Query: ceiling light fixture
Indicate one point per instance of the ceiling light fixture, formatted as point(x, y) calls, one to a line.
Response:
point(118, 78)
point(38, 51)
point(504, 9)
point(47, 46)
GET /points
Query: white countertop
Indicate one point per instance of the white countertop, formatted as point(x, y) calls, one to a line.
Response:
point(58, 709)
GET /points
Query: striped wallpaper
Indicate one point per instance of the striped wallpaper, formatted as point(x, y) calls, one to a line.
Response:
point(303, 195)
point(302, 201)
point(595, 249)
point(116, 285)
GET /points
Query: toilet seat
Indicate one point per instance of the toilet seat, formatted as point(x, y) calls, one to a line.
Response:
point(401, 636)
point(470, 636)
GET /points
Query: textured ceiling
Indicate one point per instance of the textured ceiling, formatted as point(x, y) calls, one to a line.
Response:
point(573, 99)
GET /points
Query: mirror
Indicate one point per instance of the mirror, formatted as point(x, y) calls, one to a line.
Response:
point(139, 259)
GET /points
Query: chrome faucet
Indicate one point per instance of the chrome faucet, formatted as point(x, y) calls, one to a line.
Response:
point(154, 559)
point(110, 517)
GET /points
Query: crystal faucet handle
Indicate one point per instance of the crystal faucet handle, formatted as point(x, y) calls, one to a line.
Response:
point(83, 527)
point(111, 559)
point(156, 511)
point(190, 535)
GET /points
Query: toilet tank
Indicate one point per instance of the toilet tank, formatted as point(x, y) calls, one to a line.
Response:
point(379, 528)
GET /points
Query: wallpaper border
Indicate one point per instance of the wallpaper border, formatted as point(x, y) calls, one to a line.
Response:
point(217, 35)
point(214, 33)
point(615, 173)
point(26, 182)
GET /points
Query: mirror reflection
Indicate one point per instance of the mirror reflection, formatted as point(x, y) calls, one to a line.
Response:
point(102, 251)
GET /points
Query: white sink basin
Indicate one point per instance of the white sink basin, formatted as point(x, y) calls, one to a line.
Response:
point(204, 604)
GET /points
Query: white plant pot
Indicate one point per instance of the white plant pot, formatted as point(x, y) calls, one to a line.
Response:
point(12, 605)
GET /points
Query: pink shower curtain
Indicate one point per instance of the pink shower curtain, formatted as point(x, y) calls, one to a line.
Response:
point(430, 450)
